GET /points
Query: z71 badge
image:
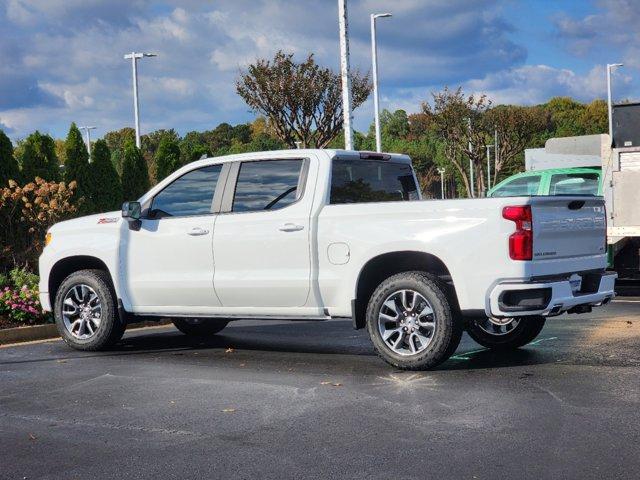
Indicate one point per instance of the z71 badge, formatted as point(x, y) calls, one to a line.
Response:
point(108, 220)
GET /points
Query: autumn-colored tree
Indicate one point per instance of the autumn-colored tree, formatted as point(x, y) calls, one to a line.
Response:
point(458, 121)
point(26, 213)
point(517, 127)
point(302, 101)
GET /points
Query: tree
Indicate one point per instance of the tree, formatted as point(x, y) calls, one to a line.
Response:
point(565, 116)
point(106, 190)
point(8, 165)
point(135, 176)
point(595, 118)
point(116, 141)
point(76, 167)
point(167, 159)
point(192, 147)
point(517, 128)
point(302, 101)
point(458, 121)
point(77, 160)
point(37, 158)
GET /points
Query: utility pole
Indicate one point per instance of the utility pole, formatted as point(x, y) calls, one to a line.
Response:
point(133, 56)
point(374, 61)
point(343, 20)
point(441, 172)
point(472, 190)
point(88, 132)
point(610, 67)
point(488, 167)
point(496, 148)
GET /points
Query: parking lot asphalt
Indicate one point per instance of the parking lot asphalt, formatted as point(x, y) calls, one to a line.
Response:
point(312, 400)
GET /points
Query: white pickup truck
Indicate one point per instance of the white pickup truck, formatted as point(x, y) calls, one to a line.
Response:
point(320, 234)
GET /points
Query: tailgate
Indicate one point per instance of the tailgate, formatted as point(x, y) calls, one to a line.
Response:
point(568, 227)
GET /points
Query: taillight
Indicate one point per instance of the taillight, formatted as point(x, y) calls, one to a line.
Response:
point(521, 241)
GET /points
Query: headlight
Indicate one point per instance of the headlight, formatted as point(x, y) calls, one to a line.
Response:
point(47, 239)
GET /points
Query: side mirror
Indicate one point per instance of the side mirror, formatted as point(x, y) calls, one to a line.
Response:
point(131, 211)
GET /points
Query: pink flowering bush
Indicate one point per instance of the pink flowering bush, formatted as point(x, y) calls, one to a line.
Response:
point(19, 304)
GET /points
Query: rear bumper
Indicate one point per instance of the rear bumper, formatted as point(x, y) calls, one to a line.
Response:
point(549, 298)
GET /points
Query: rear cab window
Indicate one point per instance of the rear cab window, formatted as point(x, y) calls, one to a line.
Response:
point(519, 187)
point(361, 181)
point(579, 183)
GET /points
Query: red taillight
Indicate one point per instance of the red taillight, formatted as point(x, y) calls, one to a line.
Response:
point(521, 241)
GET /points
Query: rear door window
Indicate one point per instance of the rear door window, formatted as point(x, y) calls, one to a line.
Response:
point(519, 187)
point(267, 185)
point(574, 184)
point(359, 181)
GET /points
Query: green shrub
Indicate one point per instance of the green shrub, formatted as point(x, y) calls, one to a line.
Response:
point(21, 277)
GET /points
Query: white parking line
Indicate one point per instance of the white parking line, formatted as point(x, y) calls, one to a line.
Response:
point(626, 301)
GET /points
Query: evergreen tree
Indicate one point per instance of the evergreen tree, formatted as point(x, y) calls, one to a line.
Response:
point(167, 158)
point(76, 167)
point(8, 164)
point(106, 190)
point(37, 158)
point(77, 158)
point(135, 176)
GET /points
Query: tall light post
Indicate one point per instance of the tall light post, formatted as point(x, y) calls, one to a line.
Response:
point(610, 67)
point(343, 21)
point(489, 167)
point(441, 171)
point(471, 180)
point(133, 56)
point(88, 132)
point(374, 61)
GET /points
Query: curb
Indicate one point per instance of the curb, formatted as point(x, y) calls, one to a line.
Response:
point(28, 334)
point(50, 332)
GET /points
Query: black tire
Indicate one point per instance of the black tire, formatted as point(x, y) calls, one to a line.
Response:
point(199, 327)
point(110, 329)
point(527, 329)
point(448, 327)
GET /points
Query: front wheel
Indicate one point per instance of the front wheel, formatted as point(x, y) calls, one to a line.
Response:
point(85, 311)
point(505, 334)
point(198, 327)
point(411, 323)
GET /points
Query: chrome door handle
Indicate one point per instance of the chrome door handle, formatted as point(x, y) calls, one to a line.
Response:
point(290, 227)
point(195, 231)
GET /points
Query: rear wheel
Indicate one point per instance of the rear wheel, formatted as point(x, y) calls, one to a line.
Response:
point(411, 323)
point(199, 327)
point(505, 334)
point(85, 311)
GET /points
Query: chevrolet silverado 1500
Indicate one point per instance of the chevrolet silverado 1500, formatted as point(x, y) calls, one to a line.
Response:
point(320, 234)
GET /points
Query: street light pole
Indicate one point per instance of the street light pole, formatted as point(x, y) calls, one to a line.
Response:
point(489, 167)
point(133, 56)
point(441, 172)
point(374, 61)
point(472, 191)
point(88, 132)
point(343, 21)
point(610, 67)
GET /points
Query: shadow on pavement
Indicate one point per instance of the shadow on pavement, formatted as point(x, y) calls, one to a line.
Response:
point(302, 338)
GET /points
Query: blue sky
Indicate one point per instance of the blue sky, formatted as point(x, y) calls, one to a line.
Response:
point(62, 59)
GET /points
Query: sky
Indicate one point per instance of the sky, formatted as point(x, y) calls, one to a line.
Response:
point(62, 60)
